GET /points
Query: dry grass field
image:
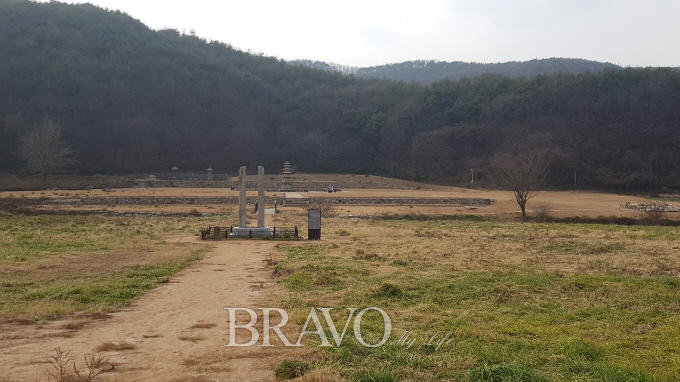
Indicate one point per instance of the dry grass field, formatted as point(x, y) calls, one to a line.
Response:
point(52, 266)
point(520, 301)
point(564, 203)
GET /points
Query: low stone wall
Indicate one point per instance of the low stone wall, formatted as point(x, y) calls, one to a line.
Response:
point(148, 214)
point(298, 186)
point(128, 214)
point(403, 201)
point(159, 201)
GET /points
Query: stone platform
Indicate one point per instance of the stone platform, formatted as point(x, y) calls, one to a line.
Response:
point(249, 232)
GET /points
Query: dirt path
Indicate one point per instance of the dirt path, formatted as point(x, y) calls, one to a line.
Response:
point(178, 330)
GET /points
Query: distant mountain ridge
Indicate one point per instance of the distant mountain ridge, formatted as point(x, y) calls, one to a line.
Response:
point(327, 66)
point(428, 71)
point(133, 100)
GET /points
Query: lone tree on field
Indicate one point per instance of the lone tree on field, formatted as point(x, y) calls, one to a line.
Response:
point(43, 149)
point(522, 172)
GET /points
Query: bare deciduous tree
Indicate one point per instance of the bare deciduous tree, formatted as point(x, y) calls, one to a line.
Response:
point(327, 209)
point(522, 172)
point(43, 149)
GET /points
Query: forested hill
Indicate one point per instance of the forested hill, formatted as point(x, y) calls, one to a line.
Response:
point(428, 71)
point(134, 100)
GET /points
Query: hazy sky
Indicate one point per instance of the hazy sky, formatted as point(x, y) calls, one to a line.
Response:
point(375, 32)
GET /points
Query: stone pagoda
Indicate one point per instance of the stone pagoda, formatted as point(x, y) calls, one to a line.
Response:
point(287, 184)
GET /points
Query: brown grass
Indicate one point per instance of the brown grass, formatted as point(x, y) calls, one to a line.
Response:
point(64, 368)
point(564, 204)
point(633, 261)
point(63, 182)
point(74, 325)
point(112, 346)
point(207, 363)
point(321, 375)
point(43, 252)
point(202, 325)
point(191, 338)
point(546, 247)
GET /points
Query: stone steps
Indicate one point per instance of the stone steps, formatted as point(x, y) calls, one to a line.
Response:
point(293, 199)
point(295, 203)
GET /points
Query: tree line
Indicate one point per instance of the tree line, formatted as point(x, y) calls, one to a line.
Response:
point(428, 71)
point(134, 100)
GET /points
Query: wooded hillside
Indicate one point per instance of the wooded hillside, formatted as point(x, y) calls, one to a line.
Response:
point(428, 71)
point(134, 100)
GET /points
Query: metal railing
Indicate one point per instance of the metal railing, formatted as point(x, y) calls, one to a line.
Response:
point(276, 233)
point(215, 233)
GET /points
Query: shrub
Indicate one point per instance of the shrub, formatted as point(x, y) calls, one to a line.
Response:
point(654, 215)
point(290, 369)
point(327, 210)
point(543, 211)
point(95, 365)
point(388, 290)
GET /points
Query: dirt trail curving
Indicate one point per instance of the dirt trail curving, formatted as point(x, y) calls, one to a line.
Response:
point(178, 330)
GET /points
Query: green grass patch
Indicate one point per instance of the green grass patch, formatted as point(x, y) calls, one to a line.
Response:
point(521, 301)
point(291, 369)
point(505, 372)
point(52, 266)
point(110, 290)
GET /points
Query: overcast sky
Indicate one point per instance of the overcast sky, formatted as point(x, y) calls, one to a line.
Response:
point(376, 32)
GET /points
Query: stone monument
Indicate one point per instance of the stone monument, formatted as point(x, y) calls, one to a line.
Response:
point(243, 230)
point(314, 224)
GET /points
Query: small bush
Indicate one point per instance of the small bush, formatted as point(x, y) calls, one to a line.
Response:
point(543, 211)
point(95, 365)
point(327, 210)
point(654, 215)
point(290, 369)
point(389, 291)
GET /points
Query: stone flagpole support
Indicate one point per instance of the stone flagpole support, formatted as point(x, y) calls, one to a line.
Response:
point(242, 197)
point(260, 197)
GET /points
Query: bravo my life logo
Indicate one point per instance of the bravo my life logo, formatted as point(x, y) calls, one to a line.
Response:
point(312, 320)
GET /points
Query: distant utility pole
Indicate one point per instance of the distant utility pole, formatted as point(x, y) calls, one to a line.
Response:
point(574, 178)
point(472, 173)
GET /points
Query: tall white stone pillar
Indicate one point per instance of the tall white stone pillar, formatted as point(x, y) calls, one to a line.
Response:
point(242, 197)
point(260, 197)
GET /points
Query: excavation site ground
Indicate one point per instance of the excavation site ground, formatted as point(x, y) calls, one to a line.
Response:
point(117, 283)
